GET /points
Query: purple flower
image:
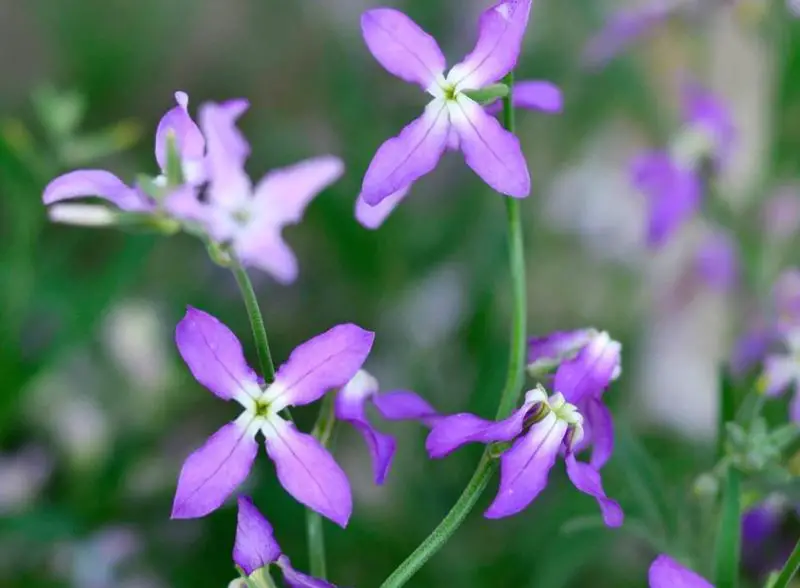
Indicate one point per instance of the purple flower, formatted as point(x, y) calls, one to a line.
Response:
point(665, 572)
point(305, 469)
point(751, 347)
point(543, 428)
point(255, 548)
point(717, 261)
point(451, 119)
point(786, 299)
point(782, 371)
point(398, 405)
point(548, 352)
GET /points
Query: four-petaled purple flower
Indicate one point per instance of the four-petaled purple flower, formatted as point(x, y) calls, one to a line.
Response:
point(304, 467)
point(394, 406)
point(672, 180)
point(255, 547)
point(452, 119)
point(665, 572)
point(540, 430)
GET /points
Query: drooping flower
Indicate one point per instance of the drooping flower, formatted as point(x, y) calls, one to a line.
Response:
point(540, 430)
point(255, 547)
point(665, 572)
point(782, 371)
point(398, 405)
point(452, 118)
point(532, 94)
point(304, 467)
point(672, 180)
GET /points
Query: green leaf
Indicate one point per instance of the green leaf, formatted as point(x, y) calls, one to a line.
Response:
point(727, 546)
point(789, 570)
point(727, 412)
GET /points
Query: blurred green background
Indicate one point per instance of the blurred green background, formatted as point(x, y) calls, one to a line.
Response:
point(97, 412)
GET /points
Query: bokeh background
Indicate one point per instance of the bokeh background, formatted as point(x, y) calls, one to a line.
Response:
point(97, 412)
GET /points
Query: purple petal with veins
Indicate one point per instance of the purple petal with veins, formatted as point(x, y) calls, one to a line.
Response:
point(255, 546)
point(451, 432)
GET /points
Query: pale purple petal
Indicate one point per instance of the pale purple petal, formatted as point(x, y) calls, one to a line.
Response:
point(188, 138)
point(665, 572)
point(601, 424)
point(500, 32)
point(751, 347)
point(212, 473)
point(184, 204)
point(308, 472)
point(491, 151)
point(403, 405)
point(268, 252)
point(779, 372)
point(413, 153)
point(587, 480)
point(327, 361)
point(402, 47)
point(623, 29)
point(550, 350)
point(590, 372)
point(226, 147)
point(525, 467)
point(349, 407)
point(717, 261)
point(451, 432)
point(96, 183)
point(282, 195)
point(372, 217)
point(214, 356)
point(532, 95)
point(295, 579)
point(255, 546)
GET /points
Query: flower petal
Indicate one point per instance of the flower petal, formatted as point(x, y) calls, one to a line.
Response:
point(717, 261)
point(533, 95)
point(501, 30)
point(665, 572)
point(212, 473)
point(98, 183)
point(372, 217)
point(215, 357)
point(412, 154)
point(402, 47)
point(587, 480)
point(703, 109)
point(779, 372)
point(404, 405)
point(295, 579)
point(226, 153)
point(525, 467)
point(451, 432)
point(492, 152)
point(188, 138)
point(349, 407)
point(550, 350)
point(268, 252)
point(591, 371)
point(327, 361)
point(308, 472)
point(255, 546)
point(623, 29)
point(602, 426)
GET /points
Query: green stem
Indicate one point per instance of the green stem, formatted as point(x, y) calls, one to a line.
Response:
point(323, 430)
point(789, 570)
point(514, 380)
point(256, 319)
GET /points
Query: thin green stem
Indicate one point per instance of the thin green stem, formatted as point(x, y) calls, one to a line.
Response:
point(508, 399)
point(789, 570)
point(323, 429)
point(256, 319)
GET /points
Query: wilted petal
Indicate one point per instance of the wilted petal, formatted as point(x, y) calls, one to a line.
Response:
point(412, 154)
point(295, 579)
point(212, 473)
point(95, 183)
point(779, 372)
point(268, 252)
point(214, 356)
point(402, 47)
point(500, 32)
point(372, 217)
point(717, 261)
point(492, 152)
point(327, 361)
point(451, 432)
point(550, 350)
point(189, 140)
point(665, 572)
point(255, 546)
point(403, 405)
point(590, 372)
point(587, 480)
point(307, 471)
point(525, 467)
point(349, 407)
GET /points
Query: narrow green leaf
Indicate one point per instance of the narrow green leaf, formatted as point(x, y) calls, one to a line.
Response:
point(789, 570)
point(727, 407)
point(727, 547)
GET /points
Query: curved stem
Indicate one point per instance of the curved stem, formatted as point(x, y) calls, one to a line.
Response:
point(323, 429)
point(508, 399)
point(256, 319)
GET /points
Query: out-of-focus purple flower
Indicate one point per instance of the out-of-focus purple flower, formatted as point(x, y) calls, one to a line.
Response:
point(781, 213)
point(782, 371)
point(255, 547)
point(665, 572)
point(717, 261)
point(397, 405)
point(786, 299)
point(710, 130)
point(759, 524)
point(540, 430)
point(751, 348)
point(304, 467)
point(765, 543)
point(452, 119)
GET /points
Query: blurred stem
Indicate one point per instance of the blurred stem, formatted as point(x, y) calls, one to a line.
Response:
point(323, 429)
point(514, 380)
point(789, 570)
